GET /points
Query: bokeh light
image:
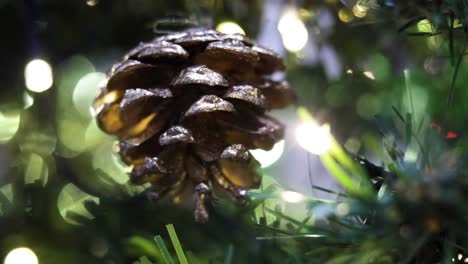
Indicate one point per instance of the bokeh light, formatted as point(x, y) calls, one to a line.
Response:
point(229, 27)
point(36, 170)
point(369, 75)
point(314, 138)
point(72, 134)
point(293, 31)
point(21, 255)
point(360, 10)
point(425, 26)
point(71, 200)
point(91, 2)
point(85, 91)
point(352, 145)
point(342, 209)
point(9, 124)
point(108, 163)
point(345, 15)
point(292, 197)
point(416, 101)
point(38, 76)
point(267, 158)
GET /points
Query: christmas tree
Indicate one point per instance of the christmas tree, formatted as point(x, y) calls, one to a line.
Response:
point(365, 163)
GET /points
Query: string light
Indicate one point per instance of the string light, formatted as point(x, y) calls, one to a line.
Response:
point(293, 31)
point(292, 197)
point(38, 76)
point(267, 158)
point(229, 27)
point(314, 138)
point(21, 255)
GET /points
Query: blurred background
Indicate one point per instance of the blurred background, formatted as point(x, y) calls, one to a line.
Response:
point(346, 61)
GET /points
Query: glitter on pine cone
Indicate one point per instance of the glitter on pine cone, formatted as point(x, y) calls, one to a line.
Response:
point(187, 107)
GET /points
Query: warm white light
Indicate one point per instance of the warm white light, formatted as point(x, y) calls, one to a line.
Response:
point(91, 2)
point(292, 197)
point(267, 158)
point(229, 27)
point(38, 76)
point(369, 75)
point(293, 31)
point(313, 138)
point(360, 10)
point(21, 255)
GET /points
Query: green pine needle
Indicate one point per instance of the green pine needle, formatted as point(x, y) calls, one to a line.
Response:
point(229, 254)
point(162, 246)
point(176, 243)
point(144, 260)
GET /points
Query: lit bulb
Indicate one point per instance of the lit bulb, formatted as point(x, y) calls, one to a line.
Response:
point(229, 27)
point(369, 75)
point(360, 10)
point(91, 2)
point(292, 197)
point(21, 256)
point(267, 158)
point(293, 31)
point(38, 76)
point(313, 138)
point(345, 15)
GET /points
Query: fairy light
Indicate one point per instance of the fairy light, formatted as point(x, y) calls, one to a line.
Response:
point(267, 158)
point(314, 138)
point(360, 10)
point(21, 255)
point(369, 75)
point(91, 2)
point(425, 26)
point(229, 27)
point(292, 197)
point(345, 15)
point(293, 31)
point(38, 76)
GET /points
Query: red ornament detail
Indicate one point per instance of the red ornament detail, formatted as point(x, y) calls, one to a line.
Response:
point(451, 135)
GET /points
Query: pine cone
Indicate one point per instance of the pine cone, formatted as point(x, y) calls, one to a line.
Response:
point(188, 106)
